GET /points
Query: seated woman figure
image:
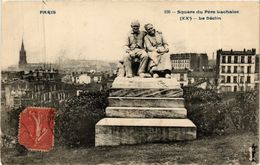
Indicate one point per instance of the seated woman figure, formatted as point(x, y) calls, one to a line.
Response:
point(157, 48)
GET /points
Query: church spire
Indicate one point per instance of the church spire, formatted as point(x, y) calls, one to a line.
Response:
point(22, 59)
point(22, 47)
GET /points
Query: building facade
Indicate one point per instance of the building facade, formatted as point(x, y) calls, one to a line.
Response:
point(190, 61)
point(257, 72)
point(39, 87)
point(181, 75)
point(204, 80)
point(236, 70)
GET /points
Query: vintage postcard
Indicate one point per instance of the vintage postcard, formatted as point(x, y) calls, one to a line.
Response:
point(129, 82)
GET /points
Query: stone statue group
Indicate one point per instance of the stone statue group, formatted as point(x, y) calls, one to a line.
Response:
point(146, 54)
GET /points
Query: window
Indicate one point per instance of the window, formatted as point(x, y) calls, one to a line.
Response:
point(242, 59)
point(242, 88)
point(223, 59)
point(189, 81)
point(181, 77)
point(249, 59)
point(235, 88)
point(235, 79)
point(222, 79)
point(229, 59)
point(228, 79)
point(242, 79)
point(235, 59)
point(248, 69)
point(248, 79)
point(242, 69)
point(223, 68)
point(229, 69)
point(235, 69)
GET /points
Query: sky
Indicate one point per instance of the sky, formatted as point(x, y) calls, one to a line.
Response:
point(98, 29)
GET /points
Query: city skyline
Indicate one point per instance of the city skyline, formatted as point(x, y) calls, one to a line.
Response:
point(96, 31)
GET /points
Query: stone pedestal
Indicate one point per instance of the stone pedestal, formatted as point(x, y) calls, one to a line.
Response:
point(143, 110)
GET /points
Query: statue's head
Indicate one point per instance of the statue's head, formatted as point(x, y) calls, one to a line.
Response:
point(149, 28)
point(135, 25)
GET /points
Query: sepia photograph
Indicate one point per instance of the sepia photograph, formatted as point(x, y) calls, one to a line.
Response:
point(129, 82)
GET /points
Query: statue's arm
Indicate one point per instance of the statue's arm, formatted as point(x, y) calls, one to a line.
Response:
point(165, 44)
point(148, 44)
point(127, 45)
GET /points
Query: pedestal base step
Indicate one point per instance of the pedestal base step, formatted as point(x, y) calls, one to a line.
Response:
point(146, 112)
point(117, 131)
point(146, 102)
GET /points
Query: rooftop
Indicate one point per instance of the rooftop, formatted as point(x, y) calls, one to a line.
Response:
point(186, 55)
point(180, 71)
point(235, 52)
point(202, 74)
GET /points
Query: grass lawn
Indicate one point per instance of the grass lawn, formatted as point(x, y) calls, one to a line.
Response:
point(231, 149)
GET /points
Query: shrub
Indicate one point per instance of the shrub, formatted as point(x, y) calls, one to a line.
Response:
point(204, 109)
point(10, 127)
point(75, 126)
point(214, 114)
point(243, 111)
point(13, 121)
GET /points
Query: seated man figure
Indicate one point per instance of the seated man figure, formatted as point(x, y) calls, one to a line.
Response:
point(134, 50)
point(157, 48)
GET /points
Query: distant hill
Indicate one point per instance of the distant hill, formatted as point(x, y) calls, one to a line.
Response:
point(86, 65)
point(71, 65)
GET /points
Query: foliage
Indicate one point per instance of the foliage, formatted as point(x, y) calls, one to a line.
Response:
point(243, 111)
point(204, 109)
point(197, 95)
point(75, 126)
point(214, 114)
point(13, 121)
point(10, 128)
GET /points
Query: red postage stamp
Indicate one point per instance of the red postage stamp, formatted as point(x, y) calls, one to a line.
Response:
point(36, 128)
